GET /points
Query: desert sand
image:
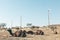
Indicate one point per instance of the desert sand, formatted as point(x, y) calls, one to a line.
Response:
point(48, 35)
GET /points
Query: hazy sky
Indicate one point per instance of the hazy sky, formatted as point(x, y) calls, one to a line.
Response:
point(32, 11)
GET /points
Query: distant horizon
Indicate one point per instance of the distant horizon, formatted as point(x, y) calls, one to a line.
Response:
point(32, 11)
point(30, 26)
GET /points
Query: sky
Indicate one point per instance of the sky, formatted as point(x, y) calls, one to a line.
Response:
point(32, 11)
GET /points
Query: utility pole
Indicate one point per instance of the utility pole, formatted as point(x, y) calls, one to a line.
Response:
point(20, 21)
point(11, 23)
point(48, 17)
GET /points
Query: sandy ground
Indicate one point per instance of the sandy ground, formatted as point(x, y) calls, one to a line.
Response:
point(35, 37)
point(48, 35)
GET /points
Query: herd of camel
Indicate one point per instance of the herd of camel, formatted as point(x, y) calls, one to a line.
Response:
point(23, 33)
